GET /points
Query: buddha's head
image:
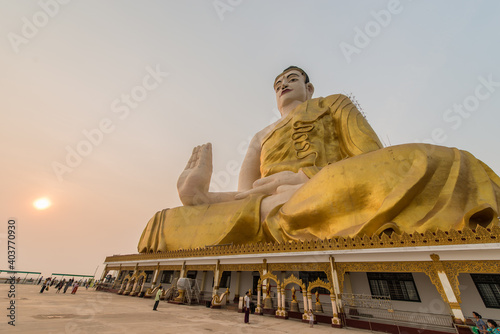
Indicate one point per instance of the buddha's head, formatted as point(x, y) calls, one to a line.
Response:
point(292, 85)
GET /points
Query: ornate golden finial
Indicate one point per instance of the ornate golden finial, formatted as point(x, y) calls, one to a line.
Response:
point(434, 257)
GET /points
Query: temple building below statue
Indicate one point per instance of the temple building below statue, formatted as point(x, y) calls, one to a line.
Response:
point(406, 282)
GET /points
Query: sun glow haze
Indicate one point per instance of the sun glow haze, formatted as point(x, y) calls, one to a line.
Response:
point(42, 203)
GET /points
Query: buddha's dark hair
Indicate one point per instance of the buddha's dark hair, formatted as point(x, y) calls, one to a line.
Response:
point(298, 69)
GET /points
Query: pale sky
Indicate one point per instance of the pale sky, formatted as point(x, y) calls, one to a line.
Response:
point(421, 71)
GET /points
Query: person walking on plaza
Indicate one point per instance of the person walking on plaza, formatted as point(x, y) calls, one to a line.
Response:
point(60, 285)
point(75, 287)
point(311, 318)
point(68, 284)
point(45, 285)
point(157, 298)
point(247, 307)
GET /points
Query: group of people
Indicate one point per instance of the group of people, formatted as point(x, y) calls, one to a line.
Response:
point(490, 326)
point(59, 285)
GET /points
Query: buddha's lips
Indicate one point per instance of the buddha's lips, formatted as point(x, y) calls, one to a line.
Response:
point(285, 91)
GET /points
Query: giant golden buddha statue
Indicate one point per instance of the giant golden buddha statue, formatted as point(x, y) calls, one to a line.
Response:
point(320, 171)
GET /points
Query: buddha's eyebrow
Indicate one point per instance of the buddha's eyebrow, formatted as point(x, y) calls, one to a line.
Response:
point(288, 77)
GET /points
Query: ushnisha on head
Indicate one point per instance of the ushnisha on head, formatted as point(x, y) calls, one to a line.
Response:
point(292, 86)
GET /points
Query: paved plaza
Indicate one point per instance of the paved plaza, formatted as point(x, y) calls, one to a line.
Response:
point(95, 312)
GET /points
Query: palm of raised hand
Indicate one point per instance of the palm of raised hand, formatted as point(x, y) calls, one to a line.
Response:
point(194, 181)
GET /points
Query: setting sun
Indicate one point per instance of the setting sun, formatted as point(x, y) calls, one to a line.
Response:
point(42, 203)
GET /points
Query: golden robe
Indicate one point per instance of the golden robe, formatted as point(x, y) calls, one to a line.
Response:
point(356, 187)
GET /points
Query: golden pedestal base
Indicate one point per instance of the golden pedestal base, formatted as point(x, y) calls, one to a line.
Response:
point(180, 297)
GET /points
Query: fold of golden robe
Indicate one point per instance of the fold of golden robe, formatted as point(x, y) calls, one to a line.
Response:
point(356, 187)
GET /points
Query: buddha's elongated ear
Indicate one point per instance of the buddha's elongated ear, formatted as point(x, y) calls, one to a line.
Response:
point(310, 90)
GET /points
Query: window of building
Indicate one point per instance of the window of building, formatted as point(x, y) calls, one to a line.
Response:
point(398, 286)
point(225, 280)
point(255, 282)
point(488, 286)
point(149, 276)
point(308, 277)
point(166, 276)
point(192, 274)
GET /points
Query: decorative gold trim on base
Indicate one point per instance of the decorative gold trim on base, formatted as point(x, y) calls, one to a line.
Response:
point(479, 235)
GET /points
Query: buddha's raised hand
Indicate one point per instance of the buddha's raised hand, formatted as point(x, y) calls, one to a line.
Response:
point(194, 181)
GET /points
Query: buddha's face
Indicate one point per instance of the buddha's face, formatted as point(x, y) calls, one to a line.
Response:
point(290, 87)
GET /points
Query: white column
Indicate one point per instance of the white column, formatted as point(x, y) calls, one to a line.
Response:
point(142, 285)
point(259, 292)
point(335, 283)
point(114, 283)
point(215, 289)
point(309, 299)
point(133, 286)
point(283, 305)
point(183, 270)
point(335, 319)
point(452, 299)
point(124, 286)
point(155, 276)
point(278, 311)
point(304, 297)
point(448, 289)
